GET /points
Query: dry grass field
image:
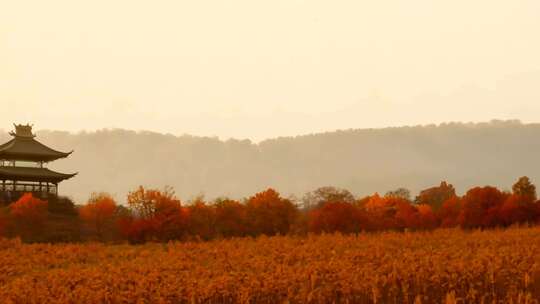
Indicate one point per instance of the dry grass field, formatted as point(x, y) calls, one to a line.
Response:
point(444, 266)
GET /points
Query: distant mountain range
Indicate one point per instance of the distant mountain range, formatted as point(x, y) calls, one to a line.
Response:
point(363, 161)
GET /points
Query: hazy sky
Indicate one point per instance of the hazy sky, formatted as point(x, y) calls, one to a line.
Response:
point(258, 69)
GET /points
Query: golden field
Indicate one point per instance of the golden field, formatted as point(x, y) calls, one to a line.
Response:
point(444, 266)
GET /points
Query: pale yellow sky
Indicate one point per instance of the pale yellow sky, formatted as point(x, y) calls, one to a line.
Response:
point(258, 69)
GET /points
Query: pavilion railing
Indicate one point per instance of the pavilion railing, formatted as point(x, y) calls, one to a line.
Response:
point(29, 187)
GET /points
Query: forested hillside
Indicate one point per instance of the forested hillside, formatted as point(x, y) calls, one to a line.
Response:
point(363, 161)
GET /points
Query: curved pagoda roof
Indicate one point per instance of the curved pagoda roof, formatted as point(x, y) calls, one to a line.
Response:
point(33, 174)
point(23, 146)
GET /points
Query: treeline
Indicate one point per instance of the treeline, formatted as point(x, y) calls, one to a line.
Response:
point(158, 215)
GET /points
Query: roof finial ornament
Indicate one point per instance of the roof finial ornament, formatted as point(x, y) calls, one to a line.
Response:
point(23, 131)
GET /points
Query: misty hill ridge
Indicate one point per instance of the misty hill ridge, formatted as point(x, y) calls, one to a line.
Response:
point(362, 160)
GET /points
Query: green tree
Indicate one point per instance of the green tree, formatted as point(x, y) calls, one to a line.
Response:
point(322, 195)
point(403, 193)
point(436, 196)
point(524, 188)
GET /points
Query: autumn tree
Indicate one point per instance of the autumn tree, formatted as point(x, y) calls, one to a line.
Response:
point(480, 207)
point(449, 213)
point(147, 203)
point(268, 213)
point(381, 212)
point(515, 210)
point(427, 218)
point(361, 202)
point(336, 216)
point(98, 215)
point(230, 218)
point(202, 219)
point(29, 215)
point(157, 215)
point(320, 196)
point(520, 207)
point(436, 196)
point(406, 215)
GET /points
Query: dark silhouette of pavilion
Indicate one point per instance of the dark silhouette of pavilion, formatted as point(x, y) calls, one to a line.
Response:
point(22, 166)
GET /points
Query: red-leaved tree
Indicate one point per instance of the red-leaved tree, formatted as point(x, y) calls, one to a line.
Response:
point(156, 215)
point(98, 215)
point(231, 218)
point(202, 220)
point(449, 213)
point(268, 213)
point(480, 207)
point(336, 216)
point(427, 218)
point(29, 215)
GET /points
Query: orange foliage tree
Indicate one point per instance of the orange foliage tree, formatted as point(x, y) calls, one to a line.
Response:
point(406, 215)
point(231, 218)
point(336, 216)
point(29, 216)
point(201, 220)
point(480, 207)
point(427, 218)
point(156, 215)
point(520, 207)
point(517, 209)
point(98, 215)
point(449, 213)
point(268, 213)
point(381, 212)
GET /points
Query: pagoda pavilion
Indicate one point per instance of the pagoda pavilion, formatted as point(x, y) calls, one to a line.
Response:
point(22, 165)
